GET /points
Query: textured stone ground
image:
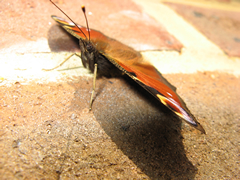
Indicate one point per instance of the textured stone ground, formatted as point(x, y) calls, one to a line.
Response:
point(47, 132)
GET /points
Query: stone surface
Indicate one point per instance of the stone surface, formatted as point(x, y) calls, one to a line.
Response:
point(220, 26)
point(24, 22)
point(48, 132)
point(44, 135)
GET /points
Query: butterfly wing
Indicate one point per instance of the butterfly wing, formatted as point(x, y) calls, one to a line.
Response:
point(70, 27)
point(131, 62)
point(149, 78)
point(74, 30)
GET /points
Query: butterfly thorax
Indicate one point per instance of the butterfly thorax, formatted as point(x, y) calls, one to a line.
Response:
point(90, 56)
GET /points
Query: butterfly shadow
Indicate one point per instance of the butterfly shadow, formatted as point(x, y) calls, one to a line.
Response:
point(61, 41)
point(144, 129)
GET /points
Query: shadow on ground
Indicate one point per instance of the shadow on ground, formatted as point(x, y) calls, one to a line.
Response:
point(145, 130)
point(59, 40)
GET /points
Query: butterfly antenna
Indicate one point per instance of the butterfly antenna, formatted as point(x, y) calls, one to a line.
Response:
point(84, 12)
point(70, 19)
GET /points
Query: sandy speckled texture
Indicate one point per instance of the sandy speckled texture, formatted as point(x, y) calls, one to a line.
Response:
point(47, 131)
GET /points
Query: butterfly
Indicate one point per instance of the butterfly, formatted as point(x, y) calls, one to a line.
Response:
point(105, 56)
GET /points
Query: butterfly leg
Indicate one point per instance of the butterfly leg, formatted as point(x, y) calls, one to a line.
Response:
point(94, 85)
point(62, 62)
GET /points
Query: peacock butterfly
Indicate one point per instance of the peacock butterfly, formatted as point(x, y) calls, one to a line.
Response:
point(105, 56)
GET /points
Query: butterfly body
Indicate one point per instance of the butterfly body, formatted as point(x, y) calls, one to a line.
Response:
point(114, 58)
